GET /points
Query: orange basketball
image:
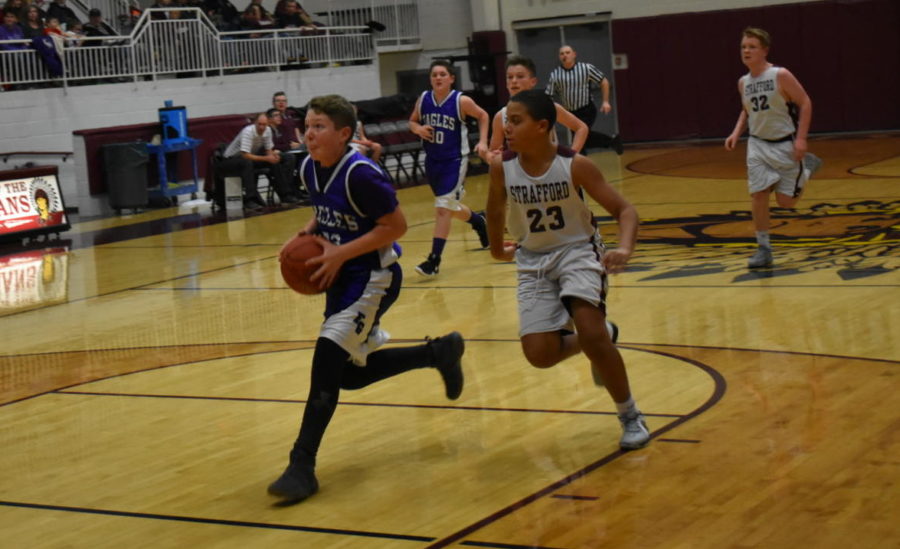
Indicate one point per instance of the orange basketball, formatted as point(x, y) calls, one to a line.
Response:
point(293, 264)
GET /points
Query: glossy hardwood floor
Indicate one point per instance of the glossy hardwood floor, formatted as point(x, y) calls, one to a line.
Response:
point(152, 385)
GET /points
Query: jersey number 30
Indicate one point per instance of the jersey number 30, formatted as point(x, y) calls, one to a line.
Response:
point(538, 224)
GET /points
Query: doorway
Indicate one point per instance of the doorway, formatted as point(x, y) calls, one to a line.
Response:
point(591, 37)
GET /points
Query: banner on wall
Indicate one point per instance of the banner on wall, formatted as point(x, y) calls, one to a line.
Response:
point(31, 204)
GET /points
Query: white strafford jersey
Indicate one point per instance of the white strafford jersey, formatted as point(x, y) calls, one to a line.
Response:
point(769, 116)
point(547, 211)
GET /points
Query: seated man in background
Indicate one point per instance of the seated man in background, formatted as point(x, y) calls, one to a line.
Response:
point(284, 143)
point(96, 27)
point(251, 149)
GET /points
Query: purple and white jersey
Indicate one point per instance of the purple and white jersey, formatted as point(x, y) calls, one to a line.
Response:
point(348, 199)
point(451, 140)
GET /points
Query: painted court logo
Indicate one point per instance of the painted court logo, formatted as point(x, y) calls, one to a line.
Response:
point(858, 240)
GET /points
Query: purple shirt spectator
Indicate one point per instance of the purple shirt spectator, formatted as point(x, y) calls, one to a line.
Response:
point(10, 30)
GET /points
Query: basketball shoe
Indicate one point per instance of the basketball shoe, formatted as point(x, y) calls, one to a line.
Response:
point(811, 164)
point(447, 352)
point(430, 267)
point(634, 431)
point(762, 258)
point(612, 330)
point(296, 483)
point(479, 225)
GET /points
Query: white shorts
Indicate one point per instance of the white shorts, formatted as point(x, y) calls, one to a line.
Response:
point(353, 328)
point(771, 164)
point(452, 200)
point(575, 270)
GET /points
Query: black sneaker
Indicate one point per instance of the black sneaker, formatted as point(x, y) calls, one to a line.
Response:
point(480, 227)
point(616, 144)
point(448, 351)
point(295, 484)
point(613, 331)
point(430, 267)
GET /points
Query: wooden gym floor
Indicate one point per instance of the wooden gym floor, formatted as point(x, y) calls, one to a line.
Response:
point(153, 391)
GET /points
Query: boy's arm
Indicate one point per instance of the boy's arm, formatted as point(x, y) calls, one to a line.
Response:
point(470, 108)
point(497, 132)
point(575, 124)
point(797, 95)
point(741, 124)
point(389, 228)
point(415, 124)
point(496, 213)
point(586, 175)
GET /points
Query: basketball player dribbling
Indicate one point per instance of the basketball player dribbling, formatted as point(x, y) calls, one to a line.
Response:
point(777, 157)
point(358, 221)
point(439, 119)
point(561, 263)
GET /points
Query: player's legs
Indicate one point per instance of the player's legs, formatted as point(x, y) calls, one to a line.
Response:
point(763, 161)
point(595, 342)
point(547, 349)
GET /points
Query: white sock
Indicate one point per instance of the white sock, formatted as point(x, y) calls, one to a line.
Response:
point(626, 407)
point(762, 238)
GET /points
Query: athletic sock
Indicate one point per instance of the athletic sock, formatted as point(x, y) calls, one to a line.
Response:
point(475, 220)
point(437, 246)
point(386, 363)
point(329, 361)
point(762, 238)
point(624, 408)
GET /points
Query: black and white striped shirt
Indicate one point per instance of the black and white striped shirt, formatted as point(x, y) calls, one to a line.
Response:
point(572, 86)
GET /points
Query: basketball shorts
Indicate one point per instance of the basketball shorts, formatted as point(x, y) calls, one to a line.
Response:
point(446, 177)
point(545, 278)
point(354, 306)
point(771, 164)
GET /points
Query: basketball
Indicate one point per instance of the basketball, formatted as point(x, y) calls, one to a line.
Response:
point(293, 263)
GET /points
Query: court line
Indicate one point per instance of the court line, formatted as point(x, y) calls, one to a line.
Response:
point(720, 386)
point(346, 403)
point(218, 522)
point(504, 545)
point(513, 287)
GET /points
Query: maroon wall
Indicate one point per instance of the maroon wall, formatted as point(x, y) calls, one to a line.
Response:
point(682, 74)
point(213, 130)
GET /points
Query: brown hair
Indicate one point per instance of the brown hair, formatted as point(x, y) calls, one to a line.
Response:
point(764, 39)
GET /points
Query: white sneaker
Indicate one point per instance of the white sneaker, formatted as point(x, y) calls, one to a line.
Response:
point(811, 163)
point(634, 431)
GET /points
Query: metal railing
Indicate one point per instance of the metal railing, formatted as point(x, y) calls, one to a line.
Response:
point(400, 18)
point(190, 44)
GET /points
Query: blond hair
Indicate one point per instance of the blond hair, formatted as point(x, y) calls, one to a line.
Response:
point(764, 39)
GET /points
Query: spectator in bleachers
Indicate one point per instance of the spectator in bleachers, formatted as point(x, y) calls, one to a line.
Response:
point(363, 144)
point(265, 16)
point(54, 30)
point(284, 142)
point(96, 27)
point(10, 30)
point(15, 6)
point(292, 122)
point(39, 4)
point(33, 25)
point(290, 15)
point(223, 14)
point(64, 13)
point(252, 19)
point(161, 15)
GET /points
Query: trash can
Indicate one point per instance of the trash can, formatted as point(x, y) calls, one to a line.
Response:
point(125, 173)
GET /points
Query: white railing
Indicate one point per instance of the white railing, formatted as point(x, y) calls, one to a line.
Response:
point(400, 18)
point(183, 46)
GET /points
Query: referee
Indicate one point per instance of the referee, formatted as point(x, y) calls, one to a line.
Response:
point(571, 83)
